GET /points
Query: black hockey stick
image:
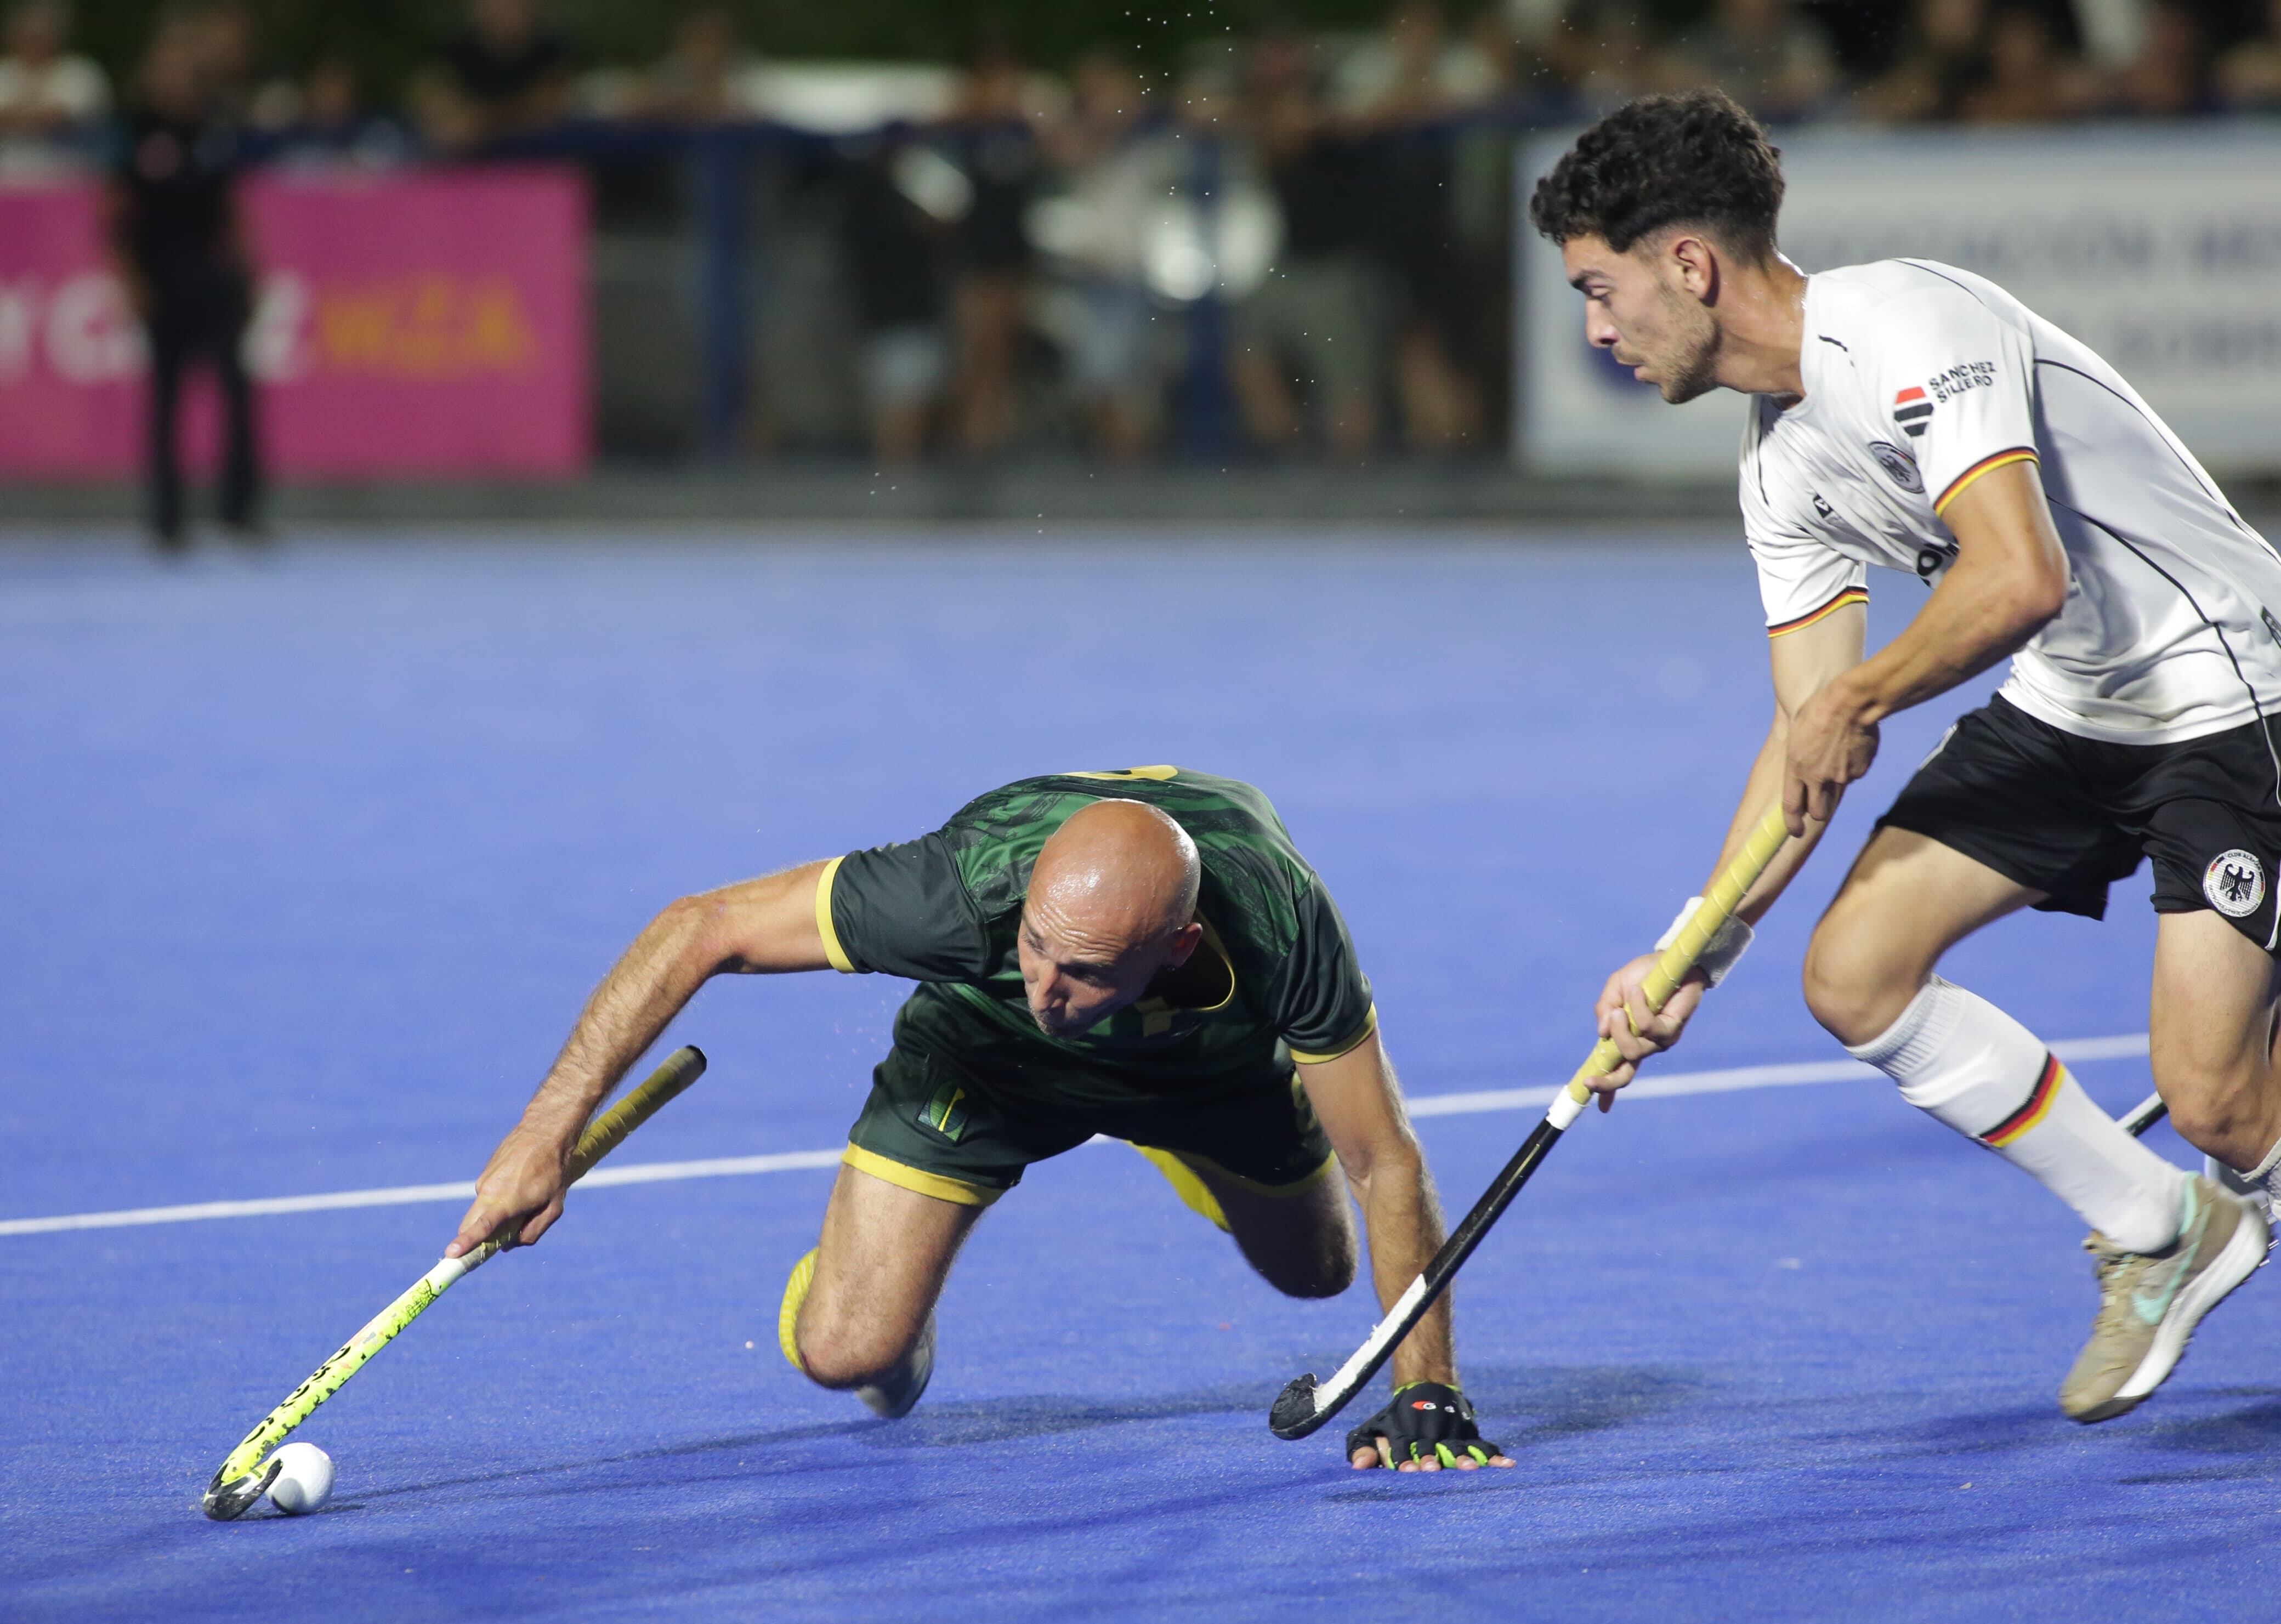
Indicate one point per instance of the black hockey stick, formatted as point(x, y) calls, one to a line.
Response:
point(2144, 1114)
point(1303, 1405)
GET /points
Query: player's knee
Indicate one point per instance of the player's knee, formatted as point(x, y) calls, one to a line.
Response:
point(1323, 1266)
point(842, 1353)
point(1318, 1276)
point(2216, 1106)
point(1854, 991)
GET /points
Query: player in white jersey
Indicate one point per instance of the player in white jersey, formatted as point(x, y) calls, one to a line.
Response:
point(1913, 416)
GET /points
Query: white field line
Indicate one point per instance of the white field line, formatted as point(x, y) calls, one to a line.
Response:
point(1730, 1080)
point(1653, 1087)
point(637, 1172)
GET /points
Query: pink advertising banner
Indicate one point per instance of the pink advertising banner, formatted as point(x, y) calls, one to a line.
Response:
point(405, 326)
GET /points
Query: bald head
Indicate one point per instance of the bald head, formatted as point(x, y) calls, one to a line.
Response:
point(1118, 872)
point(1112, 902)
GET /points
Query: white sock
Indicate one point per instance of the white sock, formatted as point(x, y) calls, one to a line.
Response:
point(2261, 1183)
point(1964, 1062)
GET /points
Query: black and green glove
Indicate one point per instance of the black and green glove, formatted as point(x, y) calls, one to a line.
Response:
point(1426, 1422)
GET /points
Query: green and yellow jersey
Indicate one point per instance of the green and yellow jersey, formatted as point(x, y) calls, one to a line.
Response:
point(1274, 980)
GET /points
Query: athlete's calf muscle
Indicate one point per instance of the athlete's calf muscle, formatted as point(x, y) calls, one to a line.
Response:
point(2212, 1020)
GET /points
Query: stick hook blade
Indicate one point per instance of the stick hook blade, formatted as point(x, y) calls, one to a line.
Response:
point(229, 1502)
point(1295, 1414)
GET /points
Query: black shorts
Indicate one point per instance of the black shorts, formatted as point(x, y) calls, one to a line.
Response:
point(960, 1107)
point(2069, 817)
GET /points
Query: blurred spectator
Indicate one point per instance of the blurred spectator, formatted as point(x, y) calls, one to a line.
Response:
point(1762, 52)
point(901, 200)
point(2111, 35)
point(1616, 58)
point(506, 75)
point(179, 247)
point(1116, 169)
point(2029, 78)
point(45, 93)
point(991, 137)
point(1310, 322)
point(228, 43)
point(1415, 78)
point(1941, 61)
point(337, 128)
point(2171, 77)
point(1544, 50)
point(1415, 69)
point(2249, 77)
point(697, 81)
point(1865, 35)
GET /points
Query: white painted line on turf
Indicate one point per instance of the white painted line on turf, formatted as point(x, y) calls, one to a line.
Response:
point(1737, 1077)
point(1731, 1079)
point(403, 1195)
point(400, 1195)
point(718, 1167)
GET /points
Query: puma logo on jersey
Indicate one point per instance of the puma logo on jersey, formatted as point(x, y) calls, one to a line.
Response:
point(1910, 410)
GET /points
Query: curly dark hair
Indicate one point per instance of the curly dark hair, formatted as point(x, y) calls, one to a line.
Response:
point(1692, 159)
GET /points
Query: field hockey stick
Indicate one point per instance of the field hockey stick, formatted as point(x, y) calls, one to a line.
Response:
point(1303, 1406)
point(2144, 1114)
point(240, 1482)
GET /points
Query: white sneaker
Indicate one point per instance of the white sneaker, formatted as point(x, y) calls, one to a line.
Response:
point(2151, 1302)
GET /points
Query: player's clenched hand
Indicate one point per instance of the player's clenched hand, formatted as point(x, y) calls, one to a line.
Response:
point(524, 1180)
point(1428, 1427)
point(1831, 744)
point(1626, 1021)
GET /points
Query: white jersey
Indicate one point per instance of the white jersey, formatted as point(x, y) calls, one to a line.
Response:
point(1919, 379)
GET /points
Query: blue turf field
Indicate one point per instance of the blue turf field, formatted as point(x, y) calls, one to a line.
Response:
point(310, 861)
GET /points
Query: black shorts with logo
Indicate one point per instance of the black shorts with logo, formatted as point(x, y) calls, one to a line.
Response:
point(2070, 816)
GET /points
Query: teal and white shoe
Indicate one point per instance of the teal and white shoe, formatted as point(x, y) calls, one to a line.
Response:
point(2151, 1302)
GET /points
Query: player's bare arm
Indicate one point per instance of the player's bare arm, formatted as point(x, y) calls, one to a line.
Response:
point(1359, 1103)
point(1803, 663)
point(2009, 579)
point(756, 927)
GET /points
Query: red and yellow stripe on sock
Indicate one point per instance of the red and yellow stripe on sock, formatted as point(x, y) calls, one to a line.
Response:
point(2038, 1105)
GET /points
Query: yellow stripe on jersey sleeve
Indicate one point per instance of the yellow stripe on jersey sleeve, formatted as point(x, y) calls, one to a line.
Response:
point(1986, 465)
point(1851, 594)
point(833, 953)
point(1368, 1026)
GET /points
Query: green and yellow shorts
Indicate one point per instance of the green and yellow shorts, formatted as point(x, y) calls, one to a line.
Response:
point(960, 1107)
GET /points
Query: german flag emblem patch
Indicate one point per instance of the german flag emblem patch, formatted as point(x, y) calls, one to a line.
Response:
point(1910, 410)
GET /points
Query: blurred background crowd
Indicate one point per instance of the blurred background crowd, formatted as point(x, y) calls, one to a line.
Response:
point(1025, 231)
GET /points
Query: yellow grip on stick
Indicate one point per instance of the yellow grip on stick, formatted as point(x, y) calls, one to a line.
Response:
point(603, 1135)
point(608, 1131)
point(1718, 906)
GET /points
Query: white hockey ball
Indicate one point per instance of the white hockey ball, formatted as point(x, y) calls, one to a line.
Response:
point(304, 1479)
